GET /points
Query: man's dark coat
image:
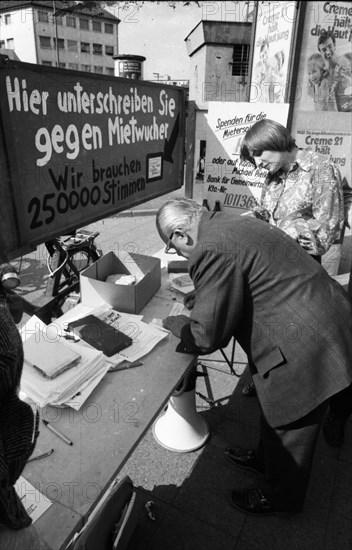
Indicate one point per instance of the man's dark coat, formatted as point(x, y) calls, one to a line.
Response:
point(291, 318)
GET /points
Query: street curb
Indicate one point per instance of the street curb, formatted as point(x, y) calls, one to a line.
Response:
point(133, 213)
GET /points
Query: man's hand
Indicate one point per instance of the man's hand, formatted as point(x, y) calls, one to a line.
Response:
point(175, 323)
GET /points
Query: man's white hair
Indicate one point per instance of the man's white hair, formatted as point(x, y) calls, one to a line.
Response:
point(177, 214)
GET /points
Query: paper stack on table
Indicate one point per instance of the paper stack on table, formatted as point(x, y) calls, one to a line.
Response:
point(145, 336)
point(73, 386)
point(88, 372)
point(49, 357)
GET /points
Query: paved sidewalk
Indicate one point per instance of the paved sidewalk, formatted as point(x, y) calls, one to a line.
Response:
point(151, 207)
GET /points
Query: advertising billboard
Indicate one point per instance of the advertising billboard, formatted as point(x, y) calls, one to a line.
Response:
point(272, 50)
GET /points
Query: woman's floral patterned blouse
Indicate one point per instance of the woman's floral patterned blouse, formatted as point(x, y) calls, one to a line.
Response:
point(307, 202)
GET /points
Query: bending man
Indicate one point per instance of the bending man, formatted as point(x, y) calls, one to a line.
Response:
point(255, 283)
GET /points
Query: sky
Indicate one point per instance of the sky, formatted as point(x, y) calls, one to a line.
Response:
point(158, 32)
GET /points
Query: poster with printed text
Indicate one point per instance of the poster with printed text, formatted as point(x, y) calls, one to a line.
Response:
point(235, 184)
point(334, 141)
point(272, 51)
point(79, 147)
point(322, 112)
point(325, 65)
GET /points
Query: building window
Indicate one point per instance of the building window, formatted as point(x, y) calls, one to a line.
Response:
point(109, 28)
point(85, 47)
point(86, 68)
point(97, 49)
point(47, 63)
point(7, 19)
point(2, 44)
point(60, 43)
point(84, 24)
point(109, 71)
point(109, 50)
point(73, 66)
point(59, 20)
point(97, 26)
point(240, 60)
point(43, 16)
point(10, 43)
point(70, 21)
point(72, 46)
point(98, 69)
point(45, 42)
point(62, 65)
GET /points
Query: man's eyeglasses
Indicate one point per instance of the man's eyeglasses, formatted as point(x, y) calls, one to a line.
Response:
point(169, 248)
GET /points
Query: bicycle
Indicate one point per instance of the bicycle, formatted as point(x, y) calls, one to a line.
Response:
point(67, 257)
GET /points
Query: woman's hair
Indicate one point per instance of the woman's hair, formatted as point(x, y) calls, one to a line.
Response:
point(347, 55)
point(177, 214)
point(317, 59)
point(266, 135)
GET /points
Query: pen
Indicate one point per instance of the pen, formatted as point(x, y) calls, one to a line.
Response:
point(42, 455)
point(71, 336)
point(56, 432)
point(125, 366)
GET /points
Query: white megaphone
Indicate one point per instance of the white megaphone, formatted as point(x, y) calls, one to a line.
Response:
point(181, 428)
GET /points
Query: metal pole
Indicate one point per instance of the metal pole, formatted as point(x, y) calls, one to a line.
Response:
point(55, 26)
point(118, 31)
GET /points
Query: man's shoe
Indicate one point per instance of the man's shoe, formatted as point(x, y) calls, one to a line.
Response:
point(254, 503)
point(334, 431)
point(249, 390)
point(243, 458)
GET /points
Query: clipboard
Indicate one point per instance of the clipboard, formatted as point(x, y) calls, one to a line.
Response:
point(100, 335)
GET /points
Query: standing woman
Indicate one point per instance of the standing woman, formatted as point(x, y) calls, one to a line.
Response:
point(303, 194)
point(18, 428)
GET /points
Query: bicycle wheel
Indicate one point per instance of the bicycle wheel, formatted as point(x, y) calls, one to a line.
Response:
point(78, 260)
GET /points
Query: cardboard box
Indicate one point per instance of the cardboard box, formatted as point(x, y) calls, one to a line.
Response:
point(126, 298)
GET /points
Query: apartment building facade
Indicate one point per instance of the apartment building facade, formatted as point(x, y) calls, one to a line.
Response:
point(44, 33)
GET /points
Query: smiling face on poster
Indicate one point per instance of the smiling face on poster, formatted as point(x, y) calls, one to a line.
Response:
point(236, 184)
point(326, 50)
point(324, 84)
point(272, 51)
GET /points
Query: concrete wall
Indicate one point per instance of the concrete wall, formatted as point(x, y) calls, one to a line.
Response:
point(200, 134)
point(210, 47)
